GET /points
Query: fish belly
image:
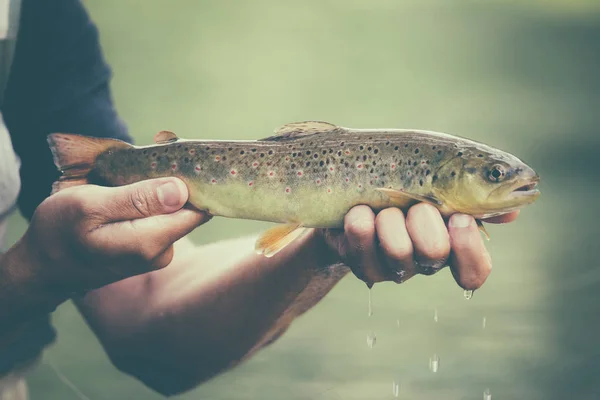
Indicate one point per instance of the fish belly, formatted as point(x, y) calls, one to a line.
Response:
point(309, 207)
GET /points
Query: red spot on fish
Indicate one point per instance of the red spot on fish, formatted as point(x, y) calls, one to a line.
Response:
point(408, 173)
point(288, 190)
point(318, 181)
point(153, 165)
point(422, 162)
point(213, 181)
point(255, 164)
point(173, 166)
point(299, 173)
point(359, 166)
point(192, 152)
point(347, 152)
point(360, 186)
point(250, 183)
point(347, 179)
point(329, 190)
point(376, 177)
point(217, 158)
point(233, 172)
point(331, 168)
point(393, 166)
point(287, 159)
point(198, 168)
point(271, 173)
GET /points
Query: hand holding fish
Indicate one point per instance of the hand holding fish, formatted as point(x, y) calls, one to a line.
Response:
point(89, 236)
point(391, 247)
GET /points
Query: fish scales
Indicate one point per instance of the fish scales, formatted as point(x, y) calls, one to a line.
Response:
point(311, 174)
point(312, 180)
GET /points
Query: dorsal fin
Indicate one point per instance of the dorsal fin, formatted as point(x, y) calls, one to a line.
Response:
point(163, 137)
point(302, 129)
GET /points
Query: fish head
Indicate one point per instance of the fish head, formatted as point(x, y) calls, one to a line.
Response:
point(485, 182)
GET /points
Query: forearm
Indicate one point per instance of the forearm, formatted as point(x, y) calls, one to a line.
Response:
point(24, 296)
point(208, 310)
point(23, 293)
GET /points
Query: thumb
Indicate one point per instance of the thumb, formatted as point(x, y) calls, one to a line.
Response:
point(143, 199)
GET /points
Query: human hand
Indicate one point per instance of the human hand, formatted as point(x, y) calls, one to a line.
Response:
point(391, 247)
point(88, 236)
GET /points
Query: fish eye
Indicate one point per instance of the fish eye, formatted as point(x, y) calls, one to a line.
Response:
point(497, 173)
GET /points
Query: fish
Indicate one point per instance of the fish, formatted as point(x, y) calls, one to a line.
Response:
point(310, 174)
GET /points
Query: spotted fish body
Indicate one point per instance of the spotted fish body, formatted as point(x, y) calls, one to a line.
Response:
point(307, 175)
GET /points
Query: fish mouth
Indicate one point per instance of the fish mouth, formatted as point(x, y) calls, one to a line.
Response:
point(527, 188)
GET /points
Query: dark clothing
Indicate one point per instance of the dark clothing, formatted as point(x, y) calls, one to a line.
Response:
point(59, 82)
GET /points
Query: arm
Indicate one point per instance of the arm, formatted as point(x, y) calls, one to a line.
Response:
point(216, 305)
point(182, 325)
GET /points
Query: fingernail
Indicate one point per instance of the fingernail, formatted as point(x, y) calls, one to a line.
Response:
point(169, 194)
point(460, 221)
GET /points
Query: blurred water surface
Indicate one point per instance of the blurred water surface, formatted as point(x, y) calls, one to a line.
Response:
point(522, 76)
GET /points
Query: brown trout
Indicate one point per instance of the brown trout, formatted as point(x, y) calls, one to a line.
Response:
point(310, 174)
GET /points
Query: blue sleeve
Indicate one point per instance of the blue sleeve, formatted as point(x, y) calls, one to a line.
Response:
point(59, 82)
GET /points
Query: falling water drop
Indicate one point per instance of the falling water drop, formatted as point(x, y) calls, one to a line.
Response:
point(435, 315)
point(484, 322)
point(371, 339)
point(487, 395)
point(370, 311)
point(468, 294)
point(396, 389)
point(434, 363)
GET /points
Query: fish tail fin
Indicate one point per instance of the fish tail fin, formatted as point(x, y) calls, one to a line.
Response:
point(75, 156)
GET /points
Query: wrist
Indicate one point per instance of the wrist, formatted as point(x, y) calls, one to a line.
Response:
point(23, 287)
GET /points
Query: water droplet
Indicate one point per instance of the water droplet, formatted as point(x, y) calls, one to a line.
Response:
point(434, 363)
point(435, 315)
point(400, 276)
point(370, 309)
point(371, 339)
point(484, 322)
point(487, 395)
point(396, 389)
point(468, 294)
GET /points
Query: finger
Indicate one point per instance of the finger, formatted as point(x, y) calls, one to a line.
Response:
point(503, 219)
point(359, 228)
point(429, 236)
point(470, 261)
point(395, 244)
point(147, 237)
point(164, 258)
point(139, 200)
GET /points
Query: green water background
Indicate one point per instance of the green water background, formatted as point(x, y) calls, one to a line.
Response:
point(522, 76)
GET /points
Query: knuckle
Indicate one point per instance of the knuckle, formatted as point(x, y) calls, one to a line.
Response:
point(438, 250)
point(361, 228)
point(79, 202)
point(400, 250)
point(389, 212)
point(148, 253)
point(140, 201)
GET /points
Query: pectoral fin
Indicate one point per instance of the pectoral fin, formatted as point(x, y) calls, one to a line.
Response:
point(277, 238)
point(405, 198)
point(482, 229)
